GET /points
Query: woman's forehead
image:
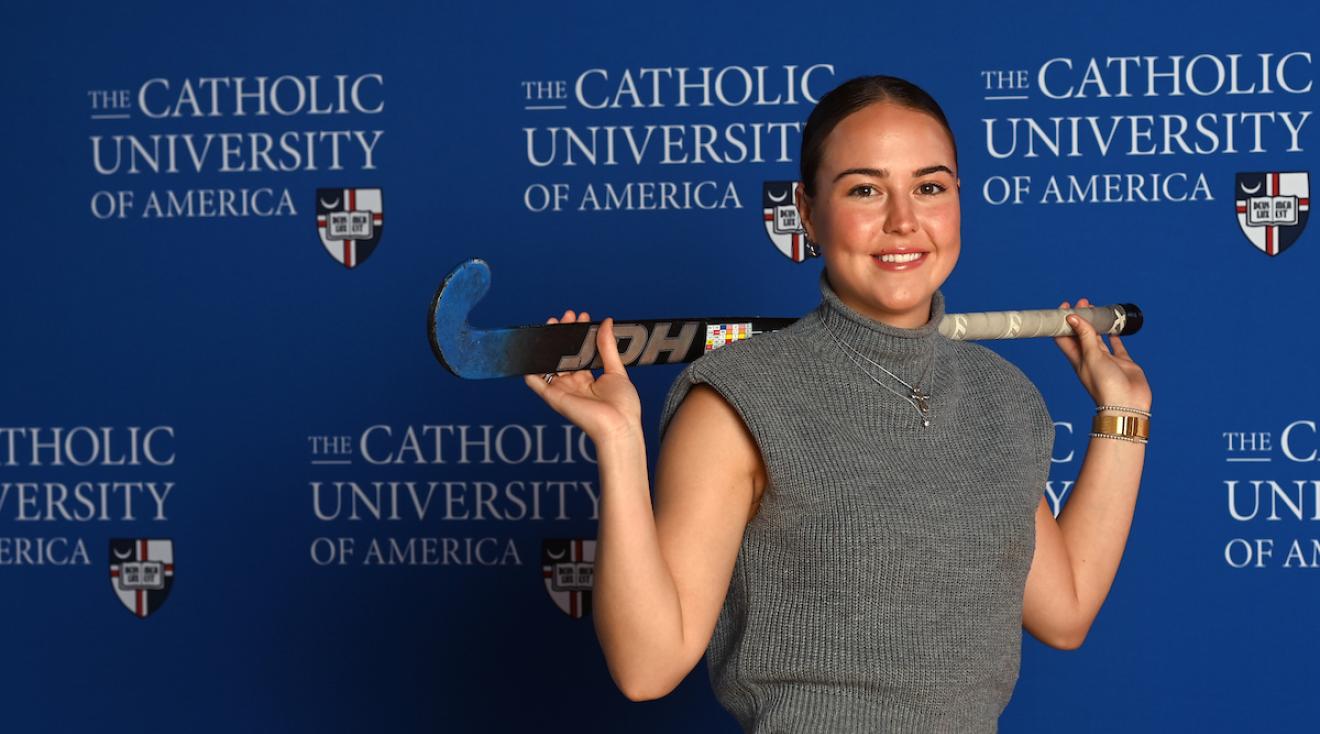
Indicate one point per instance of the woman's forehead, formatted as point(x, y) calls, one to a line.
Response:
point(891, 132)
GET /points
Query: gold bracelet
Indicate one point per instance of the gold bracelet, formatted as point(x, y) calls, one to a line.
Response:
point(1121, 426)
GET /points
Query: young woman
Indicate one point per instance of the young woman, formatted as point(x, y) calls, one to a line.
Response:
point(849, 517)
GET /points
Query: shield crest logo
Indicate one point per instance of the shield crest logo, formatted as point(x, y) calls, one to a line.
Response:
point(141, 573)
point(349, 222)
point(568, 566)
point(1272, 208)
point(783, 225)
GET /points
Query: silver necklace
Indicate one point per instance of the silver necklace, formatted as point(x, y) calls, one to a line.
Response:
point(920, 399)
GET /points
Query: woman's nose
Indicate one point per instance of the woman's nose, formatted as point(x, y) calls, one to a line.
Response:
point(900, 219)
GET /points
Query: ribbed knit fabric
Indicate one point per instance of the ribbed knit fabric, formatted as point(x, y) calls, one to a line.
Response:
point(879, 586)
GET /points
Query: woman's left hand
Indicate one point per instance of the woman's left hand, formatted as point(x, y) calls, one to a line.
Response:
point(1112, 378)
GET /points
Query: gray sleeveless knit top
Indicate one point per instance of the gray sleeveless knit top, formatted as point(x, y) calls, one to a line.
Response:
point(879, 586)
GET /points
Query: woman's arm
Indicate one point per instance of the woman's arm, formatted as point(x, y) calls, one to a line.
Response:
point(661, 580)
point(661, 573)
point(1077, 556)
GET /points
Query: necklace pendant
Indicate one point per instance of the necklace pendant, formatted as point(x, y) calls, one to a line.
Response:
point(916, 396)
point(922, 402)
point(920, 399)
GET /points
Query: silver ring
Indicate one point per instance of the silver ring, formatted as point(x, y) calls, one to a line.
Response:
point(549, 377)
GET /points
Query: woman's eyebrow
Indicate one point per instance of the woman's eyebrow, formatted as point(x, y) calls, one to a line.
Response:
point(931, 169)
point(883, 172)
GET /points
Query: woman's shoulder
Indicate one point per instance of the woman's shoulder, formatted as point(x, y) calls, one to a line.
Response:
point(740, 371)
point(987, 363)
point(1002, 382)
point(755, 359)
point(997, 377)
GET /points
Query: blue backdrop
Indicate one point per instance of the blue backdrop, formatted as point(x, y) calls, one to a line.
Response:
point(355, 537)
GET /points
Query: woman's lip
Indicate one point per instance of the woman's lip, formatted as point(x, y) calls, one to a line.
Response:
point(899, 266)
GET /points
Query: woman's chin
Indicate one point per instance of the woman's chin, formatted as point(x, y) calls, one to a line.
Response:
point(903, 302)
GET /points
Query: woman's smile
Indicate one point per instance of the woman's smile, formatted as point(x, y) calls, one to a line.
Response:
point(900, 260)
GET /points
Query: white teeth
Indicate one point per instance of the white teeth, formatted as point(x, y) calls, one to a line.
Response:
point(901, 258)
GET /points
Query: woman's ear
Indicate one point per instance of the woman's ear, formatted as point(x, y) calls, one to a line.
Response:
point(803, 202)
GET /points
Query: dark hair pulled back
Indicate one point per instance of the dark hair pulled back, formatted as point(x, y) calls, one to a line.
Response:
point(850, 97)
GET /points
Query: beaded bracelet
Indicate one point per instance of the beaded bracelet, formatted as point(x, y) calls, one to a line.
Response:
point(1120, 438)
point(1138, 411)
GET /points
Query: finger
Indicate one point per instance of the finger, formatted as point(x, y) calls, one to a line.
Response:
point(1064, 305)
point(1081, 329)
point(1087, 337)
point(1068, 344)
point(608, 349)
point(1099, 337)
point(584, 317)
point(581, 376)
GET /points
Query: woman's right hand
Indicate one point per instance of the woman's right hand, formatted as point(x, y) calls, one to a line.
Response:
point(604, 407)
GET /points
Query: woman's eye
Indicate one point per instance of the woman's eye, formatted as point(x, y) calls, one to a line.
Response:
point(862, 190)
point(930, 188)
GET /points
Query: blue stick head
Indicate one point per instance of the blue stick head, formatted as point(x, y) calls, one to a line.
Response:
point(447, 321)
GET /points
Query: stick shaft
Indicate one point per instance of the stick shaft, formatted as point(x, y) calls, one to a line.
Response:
point(541, 348)
point(526, 350)
point(1122, 319)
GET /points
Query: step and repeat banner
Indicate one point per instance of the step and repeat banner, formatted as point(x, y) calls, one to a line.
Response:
point(238, 492)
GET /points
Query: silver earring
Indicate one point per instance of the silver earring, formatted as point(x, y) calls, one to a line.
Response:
point(813, 247)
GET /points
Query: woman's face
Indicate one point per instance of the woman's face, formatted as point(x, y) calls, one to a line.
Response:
point(886, 211)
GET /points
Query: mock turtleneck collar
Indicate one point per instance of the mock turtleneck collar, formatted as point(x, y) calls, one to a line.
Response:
point(902, 348)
